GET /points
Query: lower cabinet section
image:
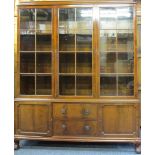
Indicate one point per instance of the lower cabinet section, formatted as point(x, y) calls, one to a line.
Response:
point(33, 118)
point(96, 120)
point(75, 128)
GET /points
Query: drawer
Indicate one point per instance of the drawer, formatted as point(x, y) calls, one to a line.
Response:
point(71, 111)
point(75, 128)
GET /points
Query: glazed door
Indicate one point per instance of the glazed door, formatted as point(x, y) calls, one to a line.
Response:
point(75, 51)
point(35, 51)
point(116, 51)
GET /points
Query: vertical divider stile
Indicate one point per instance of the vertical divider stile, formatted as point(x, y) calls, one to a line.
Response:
point(96, 83)
point(135, 52)
point(35, 21)
point(51, 52)
point(75, 52)
point(116, 54)
point(55, 67)
point(18, 52)
point(92, 53)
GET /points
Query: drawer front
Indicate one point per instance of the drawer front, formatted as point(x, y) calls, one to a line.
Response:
point(75, 128)
point(73, 110)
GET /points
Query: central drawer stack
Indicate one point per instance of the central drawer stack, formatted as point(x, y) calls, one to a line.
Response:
point(74, 119)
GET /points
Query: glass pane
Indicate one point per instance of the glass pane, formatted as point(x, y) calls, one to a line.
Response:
point(125, 41)
point(27, 21)
point(27, 30)
point(43, 63)
point(84, 18)
point(84, 86)
point(108, 86)
point(108, 62)
point(43, 38)
point(43, 85)
point(125, 18)
point(125, 85)
point(108, 18)
point(43, 42)
point(67, 85)
point(86, 32)
point(66, 42)
point(125, 62)
point(27, 85)
point(66, 63)
point(27, 42)
point(66, 20)
point(84, 63)
point(27, 62)
point(107, 40)
point(43, 21)
point(83, 42)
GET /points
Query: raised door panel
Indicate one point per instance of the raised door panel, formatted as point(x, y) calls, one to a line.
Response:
point(33, 118)
point(118, 120)
point(75, 128)
point(74, 111)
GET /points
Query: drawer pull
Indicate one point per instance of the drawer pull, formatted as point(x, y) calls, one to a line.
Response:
point(87, 128)
point(64, 111)
point(64, 126)
point(86, 112)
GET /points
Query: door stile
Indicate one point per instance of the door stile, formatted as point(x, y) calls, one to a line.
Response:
point(55, 53)
point(96, 60)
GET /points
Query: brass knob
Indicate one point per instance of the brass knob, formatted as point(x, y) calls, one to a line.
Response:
point(64, 126)
point(86, 112)
point(87, 128)
point(64, 111)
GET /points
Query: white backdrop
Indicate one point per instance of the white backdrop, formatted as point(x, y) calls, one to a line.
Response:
point(7, 77)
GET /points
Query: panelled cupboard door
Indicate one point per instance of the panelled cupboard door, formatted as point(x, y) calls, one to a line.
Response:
point(33, 118)
point(118, 120)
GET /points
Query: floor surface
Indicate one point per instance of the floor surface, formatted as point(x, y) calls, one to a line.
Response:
point(60, 148)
